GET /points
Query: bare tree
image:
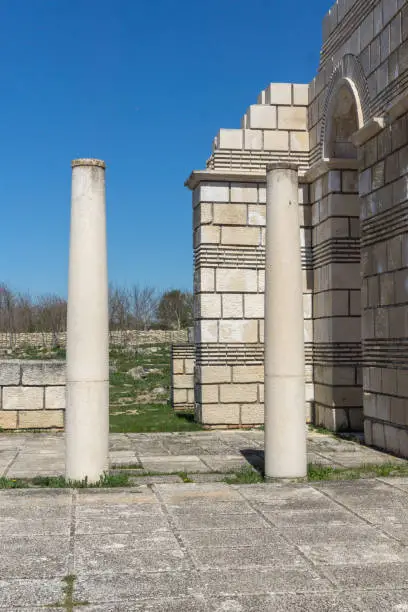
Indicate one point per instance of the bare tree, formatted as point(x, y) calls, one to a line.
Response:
point(52, 316)
point(26, 313)
point(7, 312)
point(144, 301)
point(119, 309)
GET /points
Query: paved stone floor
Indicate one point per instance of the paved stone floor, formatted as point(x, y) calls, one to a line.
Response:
point(207, 547)
point(37, 454)
point(326, 546)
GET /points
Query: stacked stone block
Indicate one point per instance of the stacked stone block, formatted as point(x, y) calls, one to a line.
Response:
point(32, 394)
point(182, 376)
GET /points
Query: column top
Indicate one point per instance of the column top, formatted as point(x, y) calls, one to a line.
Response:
point(88, 162)
point(283, 165)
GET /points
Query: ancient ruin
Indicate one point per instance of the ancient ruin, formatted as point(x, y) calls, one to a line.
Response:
point(348, 132)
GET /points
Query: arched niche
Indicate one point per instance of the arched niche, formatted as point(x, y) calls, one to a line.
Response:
point(343, 120)
point(347, 109)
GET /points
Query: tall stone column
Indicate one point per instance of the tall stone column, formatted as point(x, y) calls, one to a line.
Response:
point(285, 417)
point(87, 411)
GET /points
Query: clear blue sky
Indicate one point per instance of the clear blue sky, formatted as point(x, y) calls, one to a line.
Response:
point(144, 85)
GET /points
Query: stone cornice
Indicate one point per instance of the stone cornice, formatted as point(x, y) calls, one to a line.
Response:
point(325, 165)
point(224, 176)
point(230, 176)
point(368, 131)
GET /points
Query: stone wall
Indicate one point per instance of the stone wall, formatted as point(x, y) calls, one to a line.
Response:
point(116, 338)
point(32, 394)
point(182, 376)
point(366, 43)
point(337, 300)
point(383, 187)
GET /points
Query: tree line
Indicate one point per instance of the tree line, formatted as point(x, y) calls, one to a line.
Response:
point(139, 308)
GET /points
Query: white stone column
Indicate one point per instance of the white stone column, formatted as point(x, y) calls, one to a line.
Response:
point(87, 411)
point(285, 415)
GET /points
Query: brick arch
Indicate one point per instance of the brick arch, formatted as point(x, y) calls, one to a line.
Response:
point(348, 71)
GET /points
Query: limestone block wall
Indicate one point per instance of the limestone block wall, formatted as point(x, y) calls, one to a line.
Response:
point(182, 376)
point(229, 220)
point(229, 300)
point(384, 224)
point(337, 300)
point(32, 394)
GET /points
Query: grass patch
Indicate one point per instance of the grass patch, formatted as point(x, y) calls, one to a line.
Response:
point(150, 418)
point(37, 352)
point(69, 603)
point(244, 476)
point(13, 483)
point(317, 472)
point(321, 430)
point(185, 477)
point(59, 482)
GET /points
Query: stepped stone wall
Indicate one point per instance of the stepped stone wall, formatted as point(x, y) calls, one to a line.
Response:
point(32, 394)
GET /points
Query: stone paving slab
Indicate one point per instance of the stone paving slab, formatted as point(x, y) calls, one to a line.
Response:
point(40, 454)
point(208, 547)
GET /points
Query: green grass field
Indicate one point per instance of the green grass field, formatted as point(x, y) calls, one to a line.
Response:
point(144, 405)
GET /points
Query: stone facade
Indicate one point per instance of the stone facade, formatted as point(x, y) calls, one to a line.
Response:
point(348, 132)
point(32, 394)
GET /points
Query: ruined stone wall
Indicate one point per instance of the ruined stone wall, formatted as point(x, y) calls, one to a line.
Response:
point(182, 376)
point(229, 206)
point(116, 338)
point(32, 394)
point(273, 129)
point(353, 194)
